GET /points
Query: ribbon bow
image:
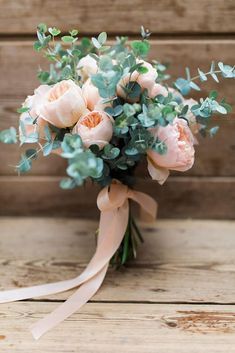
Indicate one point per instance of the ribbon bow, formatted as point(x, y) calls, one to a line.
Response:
point(113, 202)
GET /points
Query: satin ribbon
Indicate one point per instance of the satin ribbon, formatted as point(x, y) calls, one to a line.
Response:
point(113, 202)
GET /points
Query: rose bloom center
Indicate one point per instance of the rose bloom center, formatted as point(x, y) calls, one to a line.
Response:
point(92, 120)
point(183, 136)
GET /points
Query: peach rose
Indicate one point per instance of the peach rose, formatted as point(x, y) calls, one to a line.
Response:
point(158, 89)
point(146, 81)
point(92, 97)
point(32, 102)
point(63, 104)
point(180, 150)
point(87, 66)
point(95, 127)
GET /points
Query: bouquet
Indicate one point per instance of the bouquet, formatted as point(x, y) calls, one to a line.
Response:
point(106, 109)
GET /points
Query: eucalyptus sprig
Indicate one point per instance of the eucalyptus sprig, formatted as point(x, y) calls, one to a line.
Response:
point(184, 85)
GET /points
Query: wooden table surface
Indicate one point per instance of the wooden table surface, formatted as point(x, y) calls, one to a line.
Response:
point(177, 297)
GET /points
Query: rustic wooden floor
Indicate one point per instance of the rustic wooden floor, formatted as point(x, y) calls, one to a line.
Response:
point(178, 297)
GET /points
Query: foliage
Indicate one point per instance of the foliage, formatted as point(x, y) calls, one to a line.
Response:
point(184, 85)
point(133, 111)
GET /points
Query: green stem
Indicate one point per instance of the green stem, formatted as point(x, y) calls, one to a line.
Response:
point(138, 233)
point(206, 74)
point(128, 247)
point(126, 242)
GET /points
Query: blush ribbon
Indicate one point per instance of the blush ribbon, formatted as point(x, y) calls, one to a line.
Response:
point(113, 202)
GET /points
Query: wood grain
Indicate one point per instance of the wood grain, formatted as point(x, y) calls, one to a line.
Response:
point(119, 327)
point(180, 261)
point(122, 17)
point(21, 80)
point(160, 303)
point(180, 197)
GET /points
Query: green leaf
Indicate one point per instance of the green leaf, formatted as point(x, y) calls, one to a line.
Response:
point(220, 109)
point(132, 151)
point(8, 136)
point(140, 48)
point(24, 165)
point(212, 69)
point(68, 39)
point(74, 32)
point(202, 75)
point(105, 63)
point(213, 131)
point(188, 74)
point(193, 85)
point(96, 43)
point(129, 110)
point(110, 152)
point(102, 37)
point(47, 148)
point(133, 90)
point(76, 52)
point(71, 145)
point(213, 95)
point(42, 27)
point(227, 70)
point(47, 133)
point(214, 76)
point(37, 46)
point(142, 69)
point(31, 153)
point(226, 106)
point(144, 32)
point(54, 31)
point(183, 86)
point(184, 110)
point(23, 110)
point(126, 246)
point(160, 147)
point(43, 76)
point(67, 183)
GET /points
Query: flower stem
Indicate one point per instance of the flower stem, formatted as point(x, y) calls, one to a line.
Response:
point(128, 248)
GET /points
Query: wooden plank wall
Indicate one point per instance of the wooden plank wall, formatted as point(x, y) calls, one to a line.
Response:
point(184, 32)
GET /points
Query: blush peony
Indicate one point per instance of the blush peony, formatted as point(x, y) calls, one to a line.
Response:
point(33, 102)
point(63, 104)
point(180, 150)
point(95, 127)
point(87, 66)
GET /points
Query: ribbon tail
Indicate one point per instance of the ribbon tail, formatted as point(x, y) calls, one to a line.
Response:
point(148, 206)
point(112, 228)
point(114, 206)
point(36, 291)
point(74, 303)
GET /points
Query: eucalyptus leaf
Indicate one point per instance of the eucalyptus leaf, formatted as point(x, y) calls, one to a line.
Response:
point(8, 136)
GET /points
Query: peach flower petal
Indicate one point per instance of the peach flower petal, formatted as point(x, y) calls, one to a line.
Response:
point(180, 150)
point(64, 104)
point(87, 66)
point(96, 127)
point(33, 102)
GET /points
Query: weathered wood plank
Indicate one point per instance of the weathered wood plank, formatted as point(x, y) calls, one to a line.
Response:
point(210, 160)
point(163, 16)
point(180, 261)
point(20, 80)
point(179, 197)
point(122, 327)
